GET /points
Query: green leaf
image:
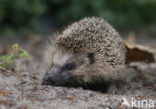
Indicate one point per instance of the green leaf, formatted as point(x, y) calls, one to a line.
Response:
point(16, 46)
point(5, 57)
point(24, 54)
point(8, 60)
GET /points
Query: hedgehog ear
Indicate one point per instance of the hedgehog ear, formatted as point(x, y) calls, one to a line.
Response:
point(91, 57)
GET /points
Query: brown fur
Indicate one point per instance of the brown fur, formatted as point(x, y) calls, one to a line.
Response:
point(90, 35)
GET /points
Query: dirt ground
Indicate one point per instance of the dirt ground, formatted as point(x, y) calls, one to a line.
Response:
point(23, 90)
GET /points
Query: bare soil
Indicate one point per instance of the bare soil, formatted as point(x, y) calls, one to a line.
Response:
point(22, 89)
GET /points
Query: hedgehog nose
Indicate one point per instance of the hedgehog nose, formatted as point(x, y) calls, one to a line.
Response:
point(52, 73)
point(48, 79)
point(47, 76)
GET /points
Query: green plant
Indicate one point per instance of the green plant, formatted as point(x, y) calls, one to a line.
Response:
point(19, 15)
point(121, 13)
point(8, 61)
point(33, 15)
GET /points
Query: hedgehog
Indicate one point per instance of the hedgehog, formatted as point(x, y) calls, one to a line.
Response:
point(88, 53)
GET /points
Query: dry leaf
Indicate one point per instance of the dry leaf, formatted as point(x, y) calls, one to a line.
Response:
point(4, 93)
point(140, 53)
point(130, 41)
point(6, 103)
point(135, 53)
point(71, 98)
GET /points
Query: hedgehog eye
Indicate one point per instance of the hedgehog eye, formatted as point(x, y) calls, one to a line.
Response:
point(69, 67)
point(91, 57)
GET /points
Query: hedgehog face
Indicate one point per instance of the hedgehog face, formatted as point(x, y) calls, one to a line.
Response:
point(68, 69)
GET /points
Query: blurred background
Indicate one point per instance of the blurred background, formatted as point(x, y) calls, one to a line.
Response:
point(24, 17)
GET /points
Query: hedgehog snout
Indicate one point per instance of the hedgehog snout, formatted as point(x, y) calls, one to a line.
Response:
point(47, 76)
point(56, 76)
